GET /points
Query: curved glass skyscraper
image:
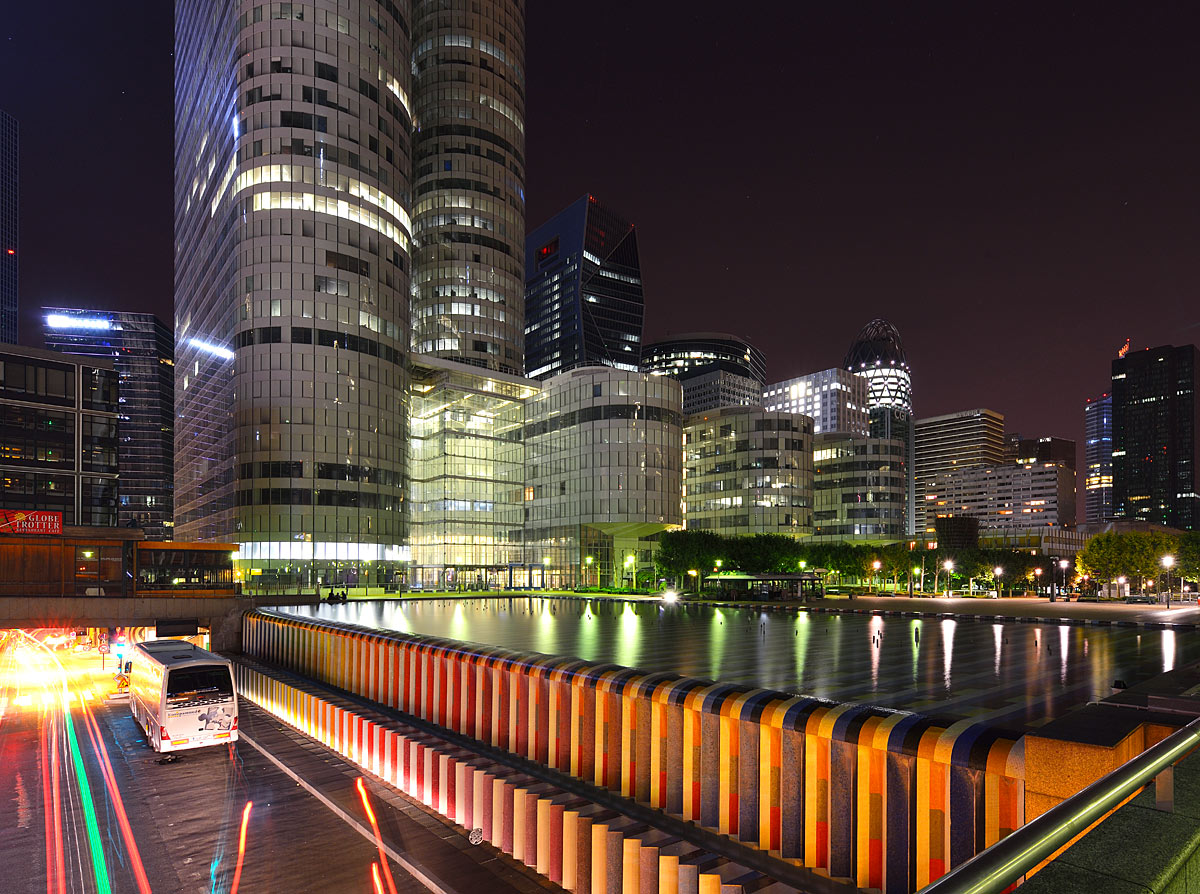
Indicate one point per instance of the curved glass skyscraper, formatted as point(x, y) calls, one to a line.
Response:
point(877, 354)
point(292, 277)
point(469, 181)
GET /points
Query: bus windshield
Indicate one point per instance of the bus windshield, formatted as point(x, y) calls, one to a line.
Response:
point(196, 684)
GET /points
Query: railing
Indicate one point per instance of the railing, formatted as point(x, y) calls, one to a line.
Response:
point(995, 869)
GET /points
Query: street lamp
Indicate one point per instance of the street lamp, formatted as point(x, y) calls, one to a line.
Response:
point(587, 560)
point(916, 573)
point(1064, 565)
point(996, 572)
point(695, 575)
point(1037, 579)
point(875, 566)
point(1168, 563)
point(949, 566)
point(545, 570)
point(631, 571)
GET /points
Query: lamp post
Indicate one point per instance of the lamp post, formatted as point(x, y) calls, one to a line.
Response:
point(1064, 565)
point(587, 560)
point(1168, 563)
point(1037, 580)
point(695, 576)
point(875, 566)
point(949, 566)
point(916, 575)
point(545, 572)
point(1121, 586)
point(631, 571)
point(996, 572)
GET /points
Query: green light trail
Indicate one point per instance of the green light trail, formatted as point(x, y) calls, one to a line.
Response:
point(99, 866)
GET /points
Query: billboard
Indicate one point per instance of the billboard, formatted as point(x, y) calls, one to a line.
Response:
point(21, 521)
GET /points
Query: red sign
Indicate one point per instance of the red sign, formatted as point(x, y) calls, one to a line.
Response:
point(17, 521)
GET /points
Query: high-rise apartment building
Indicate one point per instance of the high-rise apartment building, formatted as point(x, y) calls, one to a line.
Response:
point(716, 369)
point(141, 349)
point(1097, 453)
point(583, 298)
point(468, 178)
point(10, 231)
point(877, 353)
point(951, 442)
point(836, 399)
point(1155, 451)
point(1005, 496)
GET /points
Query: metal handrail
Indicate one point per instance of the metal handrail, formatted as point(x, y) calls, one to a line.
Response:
point(993, 870)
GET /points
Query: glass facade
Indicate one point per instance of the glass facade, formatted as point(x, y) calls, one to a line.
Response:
point(691, 351)
point(1005, 496)
point(59, 436)
point(602, 476)
point(142, 352)
point(860, 488)
point(748, 471)
point(1155, 451)
point(467, 476)
point(292, 145)
point(583, 299)
point(10, 232)
point(468, 194)
point(1097, 457)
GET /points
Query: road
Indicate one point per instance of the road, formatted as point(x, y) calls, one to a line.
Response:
point(91, 809)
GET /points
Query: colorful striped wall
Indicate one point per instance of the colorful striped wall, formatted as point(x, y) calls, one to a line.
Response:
point(891, 801)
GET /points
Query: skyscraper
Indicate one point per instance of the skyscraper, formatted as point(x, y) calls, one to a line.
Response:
point(1155, 451)
point(1097, 453)
point(877, 353)
point(716, 369)
point(10, 232)
point(292, 271)
point(951, 442)
point(468, 152)
point(141, 349)
point(583, 298)
point(835, 398)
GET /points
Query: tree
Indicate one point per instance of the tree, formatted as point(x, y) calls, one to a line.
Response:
point(682, 551)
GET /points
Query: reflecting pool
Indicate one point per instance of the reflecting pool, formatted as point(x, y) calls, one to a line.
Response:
point(1012, 675)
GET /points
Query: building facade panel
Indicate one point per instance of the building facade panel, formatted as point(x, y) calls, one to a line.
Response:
point(1005, 496)
point(860, 488)
point(748, 471)
point(836, 399)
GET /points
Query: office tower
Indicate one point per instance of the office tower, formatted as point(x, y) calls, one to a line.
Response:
point(1025, 451)
point(10, 232)
point(768, 489)
point(1155, 407)
point(950, 442)
point(58, 437)
point(292, 275)
point(716, 369)
point(1004, 495)
point(1097, 453)
point(142, 352)
point(468, 156)
point(583, 297)
point(877, 353)
point(835, 398)
point(860, 488)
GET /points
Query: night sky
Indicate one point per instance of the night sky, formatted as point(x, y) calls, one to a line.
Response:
point(1015, 187)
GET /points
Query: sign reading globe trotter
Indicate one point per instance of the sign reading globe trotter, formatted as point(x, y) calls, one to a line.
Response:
point(19, 521)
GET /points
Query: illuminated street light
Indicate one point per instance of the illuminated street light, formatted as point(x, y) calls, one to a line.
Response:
point(996, 574)
point(1037, 575)
point(1168, 563)
point(949, 566)
point(587, 560)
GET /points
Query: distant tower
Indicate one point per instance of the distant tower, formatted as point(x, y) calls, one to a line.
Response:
point(877, 353)
point(583, 298)
point(1097, 452)
point(10, 249)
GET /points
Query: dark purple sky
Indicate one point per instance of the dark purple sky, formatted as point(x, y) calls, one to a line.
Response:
point(1016, 187)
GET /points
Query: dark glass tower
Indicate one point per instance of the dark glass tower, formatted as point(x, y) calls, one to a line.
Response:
point(877, 354)
point(142, 351)
point(1097, 452)
point(583, 298)
point(10, 249)
point(1155, 408)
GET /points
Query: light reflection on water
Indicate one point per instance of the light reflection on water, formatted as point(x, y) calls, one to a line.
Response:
point(1005, 673)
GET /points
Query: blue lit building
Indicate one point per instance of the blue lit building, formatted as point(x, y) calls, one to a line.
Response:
point(1097, 452)
point(583, 292)
point(10, 249)
point(142, 351)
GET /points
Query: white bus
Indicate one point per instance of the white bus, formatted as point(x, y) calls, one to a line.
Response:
point(181, 695)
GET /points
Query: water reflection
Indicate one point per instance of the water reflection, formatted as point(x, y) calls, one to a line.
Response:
point(1004, 673)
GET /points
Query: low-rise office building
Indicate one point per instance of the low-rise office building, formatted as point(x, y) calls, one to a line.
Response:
point(748, 471)
point(860, 488)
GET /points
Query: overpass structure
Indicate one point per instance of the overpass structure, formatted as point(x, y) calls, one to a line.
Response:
point(222, 615)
